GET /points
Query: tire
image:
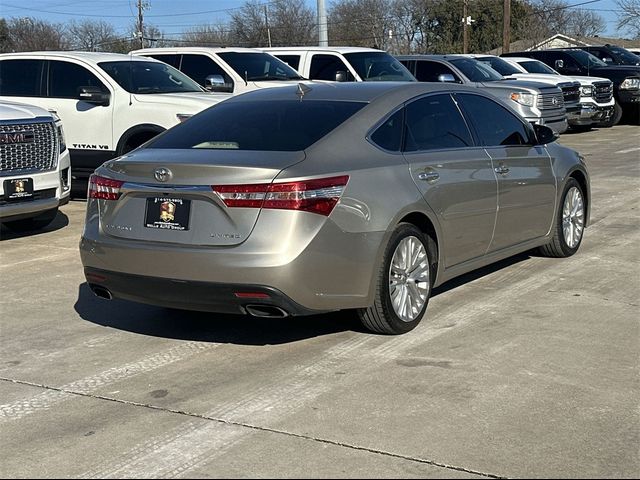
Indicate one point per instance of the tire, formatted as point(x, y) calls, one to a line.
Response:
point(614, 119)
point(560, 246)
point(33, 223)
point(383, 316)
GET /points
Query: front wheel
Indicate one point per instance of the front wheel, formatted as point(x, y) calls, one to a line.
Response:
point(403, 285)
point(613, 119)
point(569, 227)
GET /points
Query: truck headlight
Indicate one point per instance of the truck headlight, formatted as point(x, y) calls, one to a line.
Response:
point(630, 84)
point(62, 144)
point(528, 99)
point(586, 91)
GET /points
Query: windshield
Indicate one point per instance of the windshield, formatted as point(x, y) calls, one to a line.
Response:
point(149, 77)
point(625, 56)
point(501, 66)
point(378, 67)
point(586, 60)
point(273, 125)
point(476, 71)
point(257, 66)
point(535, 66)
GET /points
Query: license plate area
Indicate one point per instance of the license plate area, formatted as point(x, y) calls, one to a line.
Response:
point(167, 213)
point(18, 189)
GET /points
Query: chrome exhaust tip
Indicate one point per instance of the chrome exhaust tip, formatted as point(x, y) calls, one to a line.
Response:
point(101, 292)
point(265, 311)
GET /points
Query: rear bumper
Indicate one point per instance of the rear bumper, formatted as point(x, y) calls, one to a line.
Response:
point(192, 295)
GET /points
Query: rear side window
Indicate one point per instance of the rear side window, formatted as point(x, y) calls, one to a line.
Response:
point(65, 80)
point(388, 136)
point(172, 59)
point(325, 67)
point(274, 125)
point(199, 67)
point(434, 123)
point(21, 78)
point(292, 60)
point(494, 124)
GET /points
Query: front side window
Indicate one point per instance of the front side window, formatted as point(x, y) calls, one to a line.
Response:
point(199, 67)
point(585, 59)
point(66, 79)
point(378, 67)
point(325, 67)
point(172, 59)
point(292, 60)
point(428, 71)
point(20, 78)
point(624, 56)
point(149, 77)
point(536, 66)
point(434, 123)
point(274, 125)
point(259, 66)
point(388, 136)
point(494, 124)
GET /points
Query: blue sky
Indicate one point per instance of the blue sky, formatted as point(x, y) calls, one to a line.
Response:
point(176, 16)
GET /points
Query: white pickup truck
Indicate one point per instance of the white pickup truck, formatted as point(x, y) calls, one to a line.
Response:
point(34, 167)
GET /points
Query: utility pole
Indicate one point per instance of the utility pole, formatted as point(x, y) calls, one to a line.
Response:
point(323, 37)
point(266, 22)
point(506, 31)
point(140, 24)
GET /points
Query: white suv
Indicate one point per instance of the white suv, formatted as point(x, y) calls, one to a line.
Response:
point(34, 166)
point(109, 103)
point(226, 69)
point(343, 64)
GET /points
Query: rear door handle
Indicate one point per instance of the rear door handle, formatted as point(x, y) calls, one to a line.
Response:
point(501, 169)
point(429, 176)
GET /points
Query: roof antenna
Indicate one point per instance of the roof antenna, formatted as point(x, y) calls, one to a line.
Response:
point(245, 79)
point(302, 89)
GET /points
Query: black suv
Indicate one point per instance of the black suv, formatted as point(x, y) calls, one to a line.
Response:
point(611, 54)
point(625, 78)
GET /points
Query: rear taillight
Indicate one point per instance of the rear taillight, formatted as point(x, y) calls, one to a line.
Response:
point(104, 188)
point(317, 196)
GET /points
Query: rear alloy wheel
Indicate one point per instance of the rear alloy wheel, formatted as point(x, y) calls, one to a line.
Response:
point(404, 284)
point(569, 227)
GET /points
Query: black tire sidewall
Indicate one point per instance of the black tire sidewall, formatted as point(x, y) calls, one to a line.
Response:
point(403, 231)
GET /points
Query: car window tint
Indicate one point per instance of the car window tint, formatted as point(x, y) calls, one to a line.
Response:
point(494, 124)
point(20, 78)
point(268, 125)
point(434, 122)
point(65, 80)
point(172, 59)
point(259, 66)
point(292, 60)
point(324, 67)
point(389, 135)
point(199, 67)
point(427, 71)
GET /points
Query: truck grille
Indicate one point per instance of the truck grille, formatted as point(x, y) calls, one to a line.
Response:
point(571, 94)
point(549, 101)
point(603, 91)
point(28, 147)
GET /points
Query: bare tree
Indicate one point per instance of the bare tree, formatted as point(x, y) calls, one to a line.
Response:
point(585, 23)
point(291, 22)
point(208, 36)
point(629, 21)
point(364, 23)
point(248, 27)
point(91, 35)
point(5, 44)
point(27, 34)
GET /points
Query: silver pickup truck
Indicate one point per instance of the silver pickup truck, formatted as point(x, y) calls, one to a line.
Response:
point(34, 166)
point(536, 102)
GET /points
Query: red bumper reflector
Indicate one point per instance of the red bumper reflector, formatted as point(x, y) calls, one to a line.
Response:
point(251, 295)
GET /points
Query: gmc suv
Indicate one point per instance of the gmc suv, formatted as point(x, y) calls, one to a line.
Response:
point(625, 78)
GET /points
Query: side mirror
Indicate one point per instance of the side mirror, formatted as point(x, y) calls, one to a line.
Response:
point(446, 78)
point(544, 134)
point(559, 64)
point(216, 83)
point(94, 95)
point(341, 76)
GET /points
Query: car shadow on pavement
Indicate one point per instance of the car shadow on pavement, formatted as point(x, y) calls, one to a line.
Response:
point(59, 222)
point(208, 327)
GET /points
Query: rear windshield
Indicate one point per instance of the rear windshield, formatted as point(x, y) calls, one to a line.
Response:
point(256, 66)
point(276, 125)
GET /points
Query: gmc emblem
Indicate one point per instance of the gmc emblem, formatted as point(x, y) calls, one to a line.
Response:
point(17, 137)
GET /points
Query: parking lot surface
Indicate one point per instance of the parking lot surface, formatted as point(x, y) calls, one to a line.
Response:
point(527, 368)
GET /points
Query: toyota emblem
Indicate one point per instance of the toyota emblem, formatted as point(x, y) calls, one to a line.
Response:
point(554, 101)
point(162, 174)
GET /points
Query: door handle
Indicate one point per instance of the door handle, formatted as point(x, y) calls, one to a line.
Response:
point(501, 169)
point(429, 176)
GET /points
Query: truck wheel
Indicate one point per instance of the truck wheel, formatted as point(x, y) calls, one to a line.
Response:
point(613, 119)
point(33, 223)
